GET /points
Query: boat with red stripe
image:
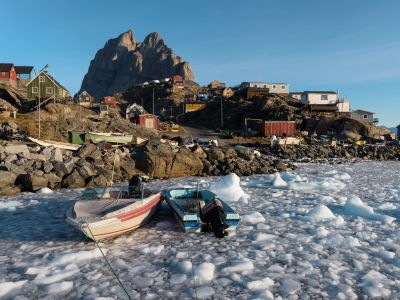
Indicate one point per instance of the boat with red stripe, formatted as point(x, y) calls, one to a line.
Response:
point(107, 212)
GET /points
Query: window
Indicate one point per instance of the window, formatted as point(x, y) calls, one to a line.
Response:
point(265, 86)
point(49, 90)
point(35, 90)
point(274, 86)
point(3, 74)
point(365, 116)
point(324, 97)
point(283, 87)
point(42, 79)
point(255, 85)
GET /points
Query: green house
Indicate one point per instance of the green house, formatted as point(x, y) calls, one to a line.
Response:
point(46, 87)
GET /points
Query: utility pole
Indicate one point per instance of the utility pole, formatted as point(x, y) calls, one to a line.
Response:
point(153, 100)
point(222, 114)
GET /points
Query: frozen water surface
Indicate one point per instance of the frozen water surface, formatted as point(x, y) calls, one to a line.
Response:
point(322, 231)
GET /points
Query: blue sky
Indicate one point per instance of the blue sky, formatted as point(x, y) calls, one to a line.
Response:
point(353, 46)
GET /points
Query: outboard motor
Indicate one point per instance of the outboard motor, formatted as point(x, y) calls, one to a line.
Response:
point(135, 186)
point(213, 215)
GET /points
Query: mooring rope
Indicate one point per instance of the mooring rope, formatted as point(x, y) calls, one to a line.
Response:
point(109, 265)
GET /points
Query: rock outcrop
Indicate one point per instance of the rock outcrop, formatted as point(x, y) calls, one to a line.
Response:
point(123, 62)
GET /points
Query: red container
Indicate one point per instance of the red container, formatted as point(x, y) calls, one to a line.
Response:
point(278, 128)
point(148, 121)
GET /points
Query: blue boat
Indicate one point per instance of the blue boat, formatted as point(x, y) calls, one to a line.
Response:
point(186, 205)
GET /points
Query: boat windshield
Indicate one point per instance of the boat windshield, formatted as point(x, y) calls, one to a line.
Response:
point(114, 192)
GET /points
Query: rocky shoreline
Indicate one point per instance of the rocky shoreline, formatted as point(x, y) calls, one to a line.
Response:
point(28, 167)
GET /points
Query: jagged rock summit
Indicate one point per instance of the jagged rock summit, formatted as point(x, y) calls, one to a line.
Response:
point(123, 62)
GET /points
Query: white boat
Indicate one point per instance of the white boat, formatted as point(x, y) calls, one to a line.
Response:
point(103, 213)
point(61, 145)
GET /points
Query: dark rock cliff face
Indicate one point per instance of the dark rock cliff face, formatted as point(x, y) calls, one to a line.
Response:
point(123, 62)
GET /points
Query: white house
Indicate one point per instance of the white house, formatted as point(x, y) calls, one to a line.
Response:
point(296, 95)
point(319, 97)
point(274, 88)
point(344, 106)
point(363, 115)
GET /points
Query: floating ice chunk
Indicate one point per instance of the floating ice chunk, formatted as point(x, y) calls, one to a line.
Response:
point(261, 236)
point(10, 288)
point(45, 190)
point(185, 266)
point(142, 282)
point(154, 250)
point(289, 286)
point(229, 189)
point(178, 279)
point(51, 276)
point(320, 212)
point(354, 206)
point(376, 285)
point(204, 272)
point(278, 181)
point(75, 257)
point(322, 231)
point(253, 218)
point(60, 287)
point(263, 284)
point(275, 268)
point(239, 266)
point(203, 292)
point(10, 205)
point(342, 176)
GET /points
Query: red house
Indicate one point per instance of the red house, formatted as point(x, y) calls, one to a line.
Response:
point(109, 100)
point(8, 74)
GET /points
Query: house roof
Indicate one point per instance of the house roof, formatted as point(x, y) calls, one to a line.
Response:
point(23, 69)
point(360, 111)
point(5, 67)
point(51, 78)
point(319, 92)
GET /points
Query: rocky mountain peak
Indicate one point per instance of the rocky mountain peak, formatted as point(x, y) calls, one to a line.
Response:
point(123, 62)
point(127, 39)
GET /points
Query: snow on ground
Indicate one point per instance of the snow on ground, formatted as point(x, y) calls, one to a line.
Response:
point(330, 232)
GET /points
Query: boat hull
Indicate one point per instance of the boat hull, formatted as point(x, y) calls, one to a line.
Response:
point(110, 138)
point(191, 222)
point(117, 224)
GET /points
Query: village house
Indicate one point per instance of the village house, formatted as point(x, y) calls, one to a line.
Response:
point(256, 91)
point(363, 115)
point(85, 99)
point(109, 100)
point(177, 83)
point(44, 86)
point(296, 95)
point(274, 88)
point(8, 74)
point(24, 73)
point(227, 93)
point(138, 115)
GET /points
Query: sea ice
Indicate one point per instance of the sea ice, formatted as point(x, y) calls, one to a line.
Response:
point(9, 288)
point(278, 181)
point(204, 273)
point(320, 212)
point(354, 206)
point(228, 188)
point(253, 218)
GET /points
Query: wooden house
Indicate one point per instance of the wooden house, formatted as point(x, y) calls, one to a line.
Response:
point(24, 73)
point(85, 99)
point(363, 115)
point(8, 74)
point(49, 88)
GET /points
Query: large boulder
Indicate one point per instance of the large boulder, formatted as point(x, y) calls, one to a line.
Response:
point(160, 161)
point(73, 180)
point(7, 180)
point(32, 182)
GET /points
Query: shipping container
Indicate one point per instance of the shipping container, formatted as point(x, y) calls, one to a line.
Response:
point(148, 121)
point(278, 128)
